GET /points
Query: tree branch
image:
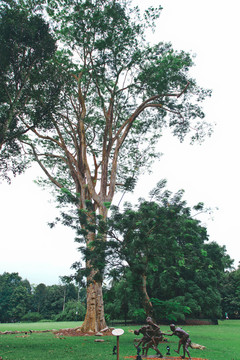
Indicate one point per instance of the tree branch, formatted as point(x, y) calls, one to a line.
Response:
point(51, 178)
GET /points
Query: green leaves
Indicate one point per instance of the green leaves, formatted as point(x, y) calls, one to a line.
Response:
point(107, 204)
point(163, 242)
point(14, 297)
point(170, 309)
point(203, 252)
point(26, 46)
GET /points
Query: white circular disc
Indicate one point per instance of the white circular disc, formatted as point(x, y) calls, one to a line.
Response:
point(118, 332)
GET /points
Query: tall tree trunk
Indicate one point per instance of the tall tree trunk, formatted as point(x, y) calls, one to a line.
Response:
point(94, 319)
point(147, 305)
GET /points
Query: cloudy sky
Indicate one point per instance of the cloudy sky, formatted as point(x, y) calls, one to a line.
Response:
point(207, 172)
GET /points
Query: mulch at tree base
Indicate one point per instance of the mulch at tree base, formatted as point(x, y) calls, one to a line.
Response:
point(61, 332)
point(77, 332)
point(165, 358)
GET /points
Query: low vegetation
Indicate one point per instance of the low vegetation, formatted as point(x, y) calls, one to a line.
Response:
point(222, 342)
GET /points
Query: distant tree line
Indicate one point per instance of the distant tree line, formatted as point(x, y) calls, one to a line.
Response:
point(20, 301)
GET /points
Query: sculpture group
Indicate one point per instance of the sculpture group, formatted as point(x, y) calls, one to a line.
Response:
point(152, 336)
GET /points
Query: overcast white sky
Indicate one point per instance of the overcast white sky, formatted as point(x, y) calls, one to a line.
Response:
point(208, 173)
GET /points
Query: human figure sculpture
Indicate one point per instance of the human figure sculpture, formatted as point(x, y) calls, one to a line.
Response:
point(184, 339)
point(146, 337)
point(153, 328)
point(151, 337)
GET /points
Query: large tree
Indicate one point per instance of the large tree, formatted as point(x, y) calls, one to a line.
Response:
point(119, 93)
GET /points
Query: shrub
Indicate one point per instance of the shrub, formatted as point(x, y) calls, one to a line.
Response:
point(172, 309)
point(32, 317)
point(138, 315)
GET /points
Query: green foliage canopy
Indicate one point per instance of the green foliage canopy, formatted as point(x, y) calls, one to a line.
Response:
point(14, 297)
point(119, 94)
point(19, 301)
point(166, 250)
point(26, 47)
point(230, 292)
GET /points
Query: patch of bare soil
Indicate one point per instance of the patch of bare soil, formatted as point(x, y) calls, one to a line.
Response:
point(165, 358)
point(78, 332)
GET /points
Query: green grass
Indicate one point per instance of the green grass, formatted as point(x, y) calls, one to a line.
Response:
point(39, 326)
point(222, 343)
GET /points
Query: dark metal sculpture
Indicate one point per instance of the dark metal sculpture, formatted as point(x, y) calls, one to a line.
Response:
point(151, 337)
point(184, 339)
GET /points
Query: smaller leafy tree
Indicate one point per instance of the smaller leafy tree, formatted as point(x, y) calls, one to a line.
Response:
point(157, 249)
point(148, 236)
point(50, 301)
point(167, 252)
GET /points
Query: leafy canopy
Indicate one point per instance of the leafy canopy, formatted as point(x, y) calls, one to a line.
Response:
point(118, 93)
point(26, 47)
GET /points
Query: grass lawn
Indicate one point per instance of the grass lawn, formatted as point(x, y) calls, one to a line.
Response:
point(222, 343)
point(39, 326)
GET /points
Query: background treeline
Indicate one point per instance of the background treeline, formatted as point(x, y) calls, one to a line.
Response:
point(20, 301)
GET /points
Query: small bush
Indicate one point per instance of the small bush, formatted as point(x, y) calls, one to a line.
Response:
point(170, 309)
point(138, 315)
point(32, 317)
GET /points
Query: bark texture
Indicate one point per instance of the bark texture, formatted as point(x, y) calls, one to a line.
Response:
point(94, 319)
